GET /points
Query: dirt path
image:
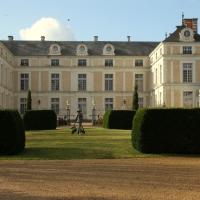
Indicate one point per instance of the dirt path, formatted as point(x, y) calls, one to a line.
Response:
point(135, 179)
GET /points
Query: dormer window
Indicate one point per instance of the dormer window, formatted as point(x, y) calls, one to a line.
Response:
point(55, 49)
point(24, 62)
point(108, 49)
point(82, 50)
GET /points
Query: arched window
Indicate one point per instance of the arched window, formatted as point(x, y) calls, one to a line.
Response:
point(108, 49)
point(55, 49)
point(82, 50)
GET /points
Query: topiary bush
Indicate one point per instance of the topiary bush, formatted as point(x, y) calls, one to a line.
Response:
point(119, 119)
point(40, 120)
point(12, 133)
point(167, 131)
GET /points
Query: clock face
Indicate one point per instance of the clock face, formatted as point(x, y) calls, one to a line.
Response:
point(108, 48)
point(82, 48)
point(186, 33)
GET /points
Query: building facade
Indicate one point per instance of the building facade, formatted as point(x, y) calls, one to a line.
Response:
point(101, 74)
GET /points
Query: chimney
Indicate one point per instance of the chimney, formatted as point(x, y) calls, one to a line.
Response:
point(42, 38)
point(95, 38)
point(191, 23)
point(10, 38)
point(129, 38)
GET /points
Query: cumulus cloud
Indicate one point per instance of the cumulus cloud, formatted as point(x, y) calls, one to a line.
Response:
point(49, 27)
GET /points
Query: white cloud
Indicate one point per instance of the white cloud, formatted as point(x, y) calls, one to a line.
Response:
point(48, 27)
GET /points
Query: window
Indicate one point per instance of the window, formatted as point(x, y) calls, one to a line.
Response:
point(187, 50)
point(54, 62)
point(108, 62)
point(141, 102)
point(82, 62)
point(138, 63)
point(139, 81)
point(24, 79)
point(187, 98)
point(82, 82)
point(55, 105)
point(108, 104)
point(187, 72)
point(24, 62)
point(54, 82)
point(82, 105)
point(22, 105)
point(108, 82)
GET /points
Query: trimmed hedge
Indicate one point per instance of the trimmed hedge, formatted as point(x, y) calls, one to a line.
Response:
point(167, 131)
point(12, 133)
point(40, 120)
point(118, 119)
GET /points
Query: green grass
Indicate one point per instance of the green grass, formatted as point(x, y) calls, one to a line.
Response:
point(97, 143)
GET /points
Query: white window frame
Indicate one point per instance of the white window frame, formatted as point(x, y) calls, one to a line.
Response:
point(25, 82)
point(55, 82)
point(82, 82)
point(55, 105)
point(108, 82)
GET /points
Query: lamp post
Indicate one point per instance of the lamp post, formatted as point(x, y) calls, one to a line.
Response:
point(93, 113)
point(68, 112)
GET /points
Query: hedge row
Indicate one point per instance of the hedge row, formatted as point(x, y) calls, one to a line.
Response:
point(167, 131)
point(40, 120)
point(118, 119)
point(12, 134)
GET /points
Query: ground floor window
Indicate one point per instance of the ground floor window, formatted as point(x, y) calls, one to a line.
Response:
point(141, 102)
point(187, 98)
point(108, 104)
point(22, 105)
point(55, 105)
point(82, 105)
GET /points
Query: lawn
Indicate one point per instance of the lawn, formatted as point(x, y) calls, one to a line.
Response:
point(97, 143)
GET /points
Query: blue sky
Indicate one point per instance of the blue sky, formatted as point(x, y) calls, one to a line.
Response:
point(144, 20)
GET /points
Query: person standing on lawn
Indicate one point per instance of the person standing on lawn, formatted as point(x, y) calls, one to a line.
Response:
point(79, 120)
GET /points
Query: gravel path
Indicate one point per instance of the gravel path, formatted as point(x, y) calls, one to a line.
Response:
point(136, 179)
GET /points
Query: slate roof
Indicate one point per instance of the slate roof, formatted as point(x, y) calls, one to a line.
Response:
point(68, 48)
point(174, 37)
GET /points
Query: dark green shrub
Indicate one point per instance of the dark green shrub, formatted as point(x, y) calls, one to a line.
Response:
point(167, 131)
point(119, 119)
point(40, 120)
point(12, 134)
point(106, 119)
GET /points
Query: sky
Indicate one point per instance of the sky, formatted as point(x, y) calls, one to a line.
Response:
point(111, 20)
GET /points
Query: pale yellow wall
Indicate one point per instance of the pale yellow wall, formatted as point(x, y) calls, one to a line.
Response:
point(66, 80)
point(175, 50)
point(168, 69)
point(118, 102)
point(119, 62)
point(34, 81)
point(176, 71)
point(43, 102)
point(119, 81)
point(198, 71)
point(97, 81)
point(128, 81)
point(99, 102)
point(129, 101)
point(44, 81)
point(197, 50)
point(168, 98)
point(177, 98)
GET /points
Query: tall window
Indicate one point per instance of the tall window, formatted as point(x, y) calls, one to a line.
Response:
point(108, 62)
point(139, 81)
point(82, 82)
point(187, 50)
point(141, 102)
point(108, 82)
point(187, 98)
point(24, 79)
point(54, 62)
point(22, 105)
point(82, 62)
point(55, 105)
point(82, 105)
point(108, 104)
point(54, 82)
point(24, 62)
point(187, 72)
point(139, 63)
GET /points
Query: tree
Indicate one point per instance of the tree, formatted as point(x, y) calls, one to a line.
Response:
point(135, 104)
point(29, 101)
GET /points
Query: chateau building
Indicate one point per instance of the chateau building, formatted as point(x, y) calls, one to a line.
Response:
point(101, 74)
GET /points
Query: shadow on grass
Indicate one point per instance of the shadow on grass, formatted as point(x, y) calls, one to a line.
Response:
point(65, 153)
